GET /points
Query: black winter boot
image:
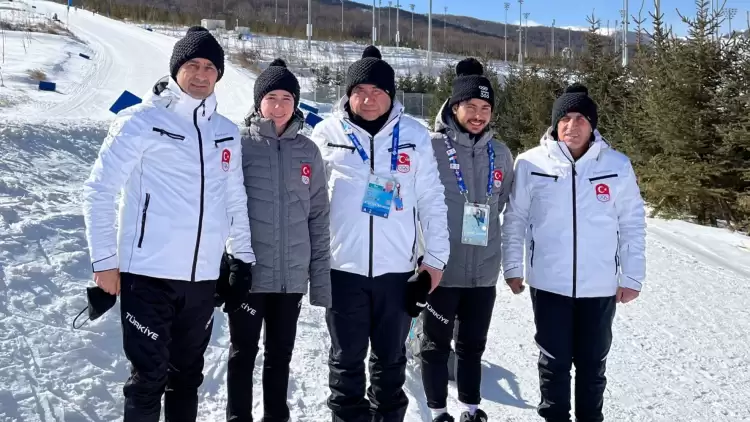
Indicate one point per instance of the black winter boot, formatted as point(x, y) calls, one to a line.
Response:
point(444, 417)
point(479, 416)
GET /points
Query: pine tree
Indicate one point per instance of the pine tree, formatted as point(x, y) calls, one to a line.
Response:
point(420, 83)
point(405, 83)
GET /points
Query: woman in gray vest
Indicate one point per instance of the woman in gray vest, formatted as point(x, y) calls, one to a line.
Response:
point(477, 171)
point(288, 206)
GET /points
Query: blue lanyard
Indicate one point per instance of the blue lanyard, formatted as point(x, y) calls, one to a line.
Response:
point(361, 150)
point(453, 159)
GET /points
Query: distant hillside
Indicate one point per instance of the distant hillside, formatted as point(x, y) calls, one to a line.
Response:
point(463, 35)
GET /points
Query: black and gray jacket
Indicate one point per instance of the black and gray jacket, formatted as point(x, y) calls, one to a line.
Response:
point(287, 202)
point(471, 266)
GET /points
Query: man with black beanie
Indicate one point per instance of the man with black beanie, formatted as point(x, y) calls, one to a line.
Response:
point(576, 229)
point(383, 182)
point(178, 164)
point(477, 172)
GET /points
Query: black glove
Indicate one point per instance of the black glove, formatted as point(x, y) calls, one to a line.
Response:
point(222, 284)
point(240, 281)
point(417, 290)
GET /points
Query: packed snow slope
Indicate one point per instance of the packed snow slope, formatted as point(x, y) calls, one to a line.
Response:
point(680, 351)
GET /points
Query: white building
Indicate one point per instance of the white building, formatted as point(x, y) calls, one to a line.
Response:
point(212, 24)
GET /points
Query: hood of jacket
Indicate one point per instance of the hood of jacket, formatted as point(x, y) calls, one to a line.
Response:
point(560, 152)
point(261, 126)
point(446, 123)
point(168, 94)
point(339, 111)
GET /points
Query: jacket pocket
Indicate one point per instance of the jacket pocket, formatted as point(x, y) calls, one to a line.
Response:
point(414, 244)
point(349, 147)
point(617, 253)
point(163, 132)
point(551, 176)
point(531, 259)
point(404, 146)
point(218, 141)
point(143, 219)
point(606, 176)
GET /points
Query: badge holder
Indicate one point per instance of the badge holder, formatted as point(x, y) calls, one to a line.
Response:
point(378, 196)
point(475, 227)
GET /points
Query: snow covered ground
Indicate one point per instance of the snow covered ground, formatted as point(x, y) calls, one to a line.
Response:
point(680, 351)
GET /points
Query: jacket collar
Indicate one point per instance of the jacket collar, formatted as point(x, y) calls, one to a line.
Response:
point(339, 111)
point(560, 152)
point(168, 94)
point(445, 123)
point(261, 126)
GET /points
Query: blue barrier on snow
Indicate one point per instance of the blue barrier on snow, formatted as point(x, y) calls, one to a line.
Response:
point(47, 86)
point(85, 56)
point(313, 119)
point(309, 108)
point(127, 99)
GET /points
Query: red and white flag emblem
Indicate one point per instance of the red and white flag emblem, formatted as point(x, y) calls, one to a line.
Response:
point(602, 192)
point(497, 177)
point(226, 157)
point(306, 173)
point(404, 163)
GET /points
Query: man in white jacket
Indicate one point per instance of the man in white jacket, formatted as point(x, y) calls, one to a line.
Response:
point(383, 181)
point(178, 166)
point(577, 215)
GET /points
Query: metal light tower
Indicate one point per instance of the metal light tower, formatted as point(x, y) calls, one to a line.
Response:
point(429, 38)
point(445, 16)
point(520, 32)
point(309, 25)
point(526, 36)
point(374, 28)
point(342, 16)
point(389, 21)
point(505, 53)
point(288, 11)
point(398, 33)
point(380, 21)
point(553, 38)
point(732, 12)
point(411, 6)
point(276, 13)
point(625, 22)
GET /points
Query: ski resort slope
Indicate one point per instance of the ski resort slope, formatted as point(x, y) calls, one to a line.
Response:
point(680, 351)
point(126, 57)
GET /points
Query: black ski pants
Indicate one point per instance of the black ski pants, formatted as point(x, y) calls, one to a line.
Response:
point(368, 312)
point(280, 311)
point(166, 327)
point(471, 309)
point(572, 332)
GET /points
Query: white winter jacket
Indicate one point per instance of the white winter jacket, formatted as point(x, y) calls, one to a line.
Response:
point(372, 246)
point(179, 166)
point(582, 224)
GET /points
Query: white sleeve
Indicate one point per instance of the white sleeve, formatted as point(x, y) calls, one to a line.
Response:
point(121, 150)
point(239, 242)
point(515, 222)
point(631, 217)
point(320, 138)
point(431, 207)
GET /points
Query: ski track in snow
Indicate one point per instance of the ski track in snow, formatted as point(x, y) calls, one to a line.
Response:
point(679, 354)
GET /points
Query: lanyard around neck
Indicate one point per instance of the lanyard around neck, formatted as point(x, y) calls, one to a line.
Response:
point(456, 167)
point(361, 150)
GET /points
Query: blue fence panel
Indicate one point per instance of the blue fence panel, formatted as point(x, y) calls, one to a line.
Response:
point(127, 99)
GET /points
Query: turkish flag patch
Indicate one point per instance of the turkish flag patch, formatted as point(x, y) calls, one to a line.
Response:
point(226, 157)
point(404, 163)
point(602, 192)
point(497, 178)
point(306, 172)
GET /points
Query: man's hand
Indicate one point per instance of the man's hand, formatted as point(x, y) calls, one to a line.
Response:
point(516, 285)
point(109, 281)
point(435, 275)
point(625, 295)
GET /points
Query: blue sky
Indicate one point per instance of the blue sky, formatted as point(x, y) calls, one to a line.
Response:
point(571, 13)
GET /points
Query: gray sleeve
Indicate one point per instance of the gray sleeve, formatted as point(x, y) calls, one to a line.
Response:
point(320, 243)
point(508, 177)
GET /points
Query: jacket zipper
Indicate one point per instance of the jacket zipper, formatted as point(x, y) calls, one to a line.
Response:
point(143, 219)
point(608, 176)
point(281, 216)
point(372, 222)
point(532, 246)
point(617, 253)
point(404, 146)
point(163, 132)
point(218, 141)
point(349, 147)
point(473, 251)
point(551, 176)
point(575, 232)
point(414, 245)
point(203, 187)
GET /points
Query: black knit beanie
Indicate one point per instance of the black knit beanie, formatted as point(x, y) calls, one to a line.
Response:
point(471, 83)
point(371, 69)
point(276, 76)
point(197, 43)
point(575, 98)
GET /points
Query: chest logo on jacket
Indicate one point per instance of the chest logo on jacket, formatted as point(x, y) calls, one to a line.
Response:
point(306, 173)
point(497, 178)
point(404, 163)
point(226, 157)
point(602, 192)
